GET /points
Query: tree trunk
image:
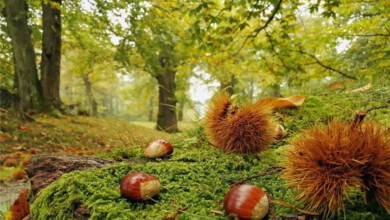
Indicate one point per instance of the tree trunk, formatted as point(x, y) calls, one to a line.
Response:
point(276, 90)
point(181, 108)
point(166, 117)
point(51, 53)
point(90, 94)
point(151, 106)
point(229, 86)
point(29, 87)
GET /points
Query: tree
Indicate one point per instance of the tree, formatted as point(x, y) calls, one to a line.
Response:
point(28, 85)
point(51, 52)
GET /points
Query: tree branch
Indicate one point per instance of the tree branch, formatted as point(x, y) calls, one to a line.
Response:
point(369, 35)
point(262, 28)
point(321, 64)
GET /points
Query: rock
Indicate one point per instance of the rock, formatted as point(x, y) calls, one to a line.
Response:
point(45, 169)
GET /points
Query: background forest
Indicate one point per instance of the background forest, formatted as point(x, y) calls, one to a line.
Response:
point(125, 58)
point(103, 78)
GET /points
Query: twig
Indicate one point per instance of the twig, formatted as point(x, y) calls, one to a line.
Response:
point(321, 64)
point(281, 203)
point(217, 211)
point(359, 116)
point(271, 207)
point(172, 217)
point(379, 107)
point(269, 170)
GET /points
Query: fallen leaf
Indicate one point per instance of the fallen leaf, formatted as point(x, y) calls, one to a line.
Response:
point(20, 208)
point(25, 129)
point(337, 85)
point(362, 89)
point(2, 139)
point(295, 100)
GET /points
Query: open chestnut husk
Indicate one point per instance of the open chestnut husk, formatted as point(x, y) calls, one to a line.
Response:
point(247, 202)
point(158, 148)
point(140, 186)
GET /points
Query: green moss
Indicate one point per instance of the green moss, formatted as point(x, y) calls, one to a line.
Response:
point(197, 176)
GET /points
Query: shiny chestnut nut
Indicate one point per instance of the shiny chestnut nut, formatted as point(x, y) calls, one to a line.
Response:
point(247, 202)
point(280, 133)
point(158, 148)
point(140, 186)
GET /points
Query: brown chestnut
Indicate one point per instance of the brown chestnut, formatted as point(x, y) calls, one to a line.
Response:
point(247, 202)
point(140, 186)
point(158, 148)
point(280, 133)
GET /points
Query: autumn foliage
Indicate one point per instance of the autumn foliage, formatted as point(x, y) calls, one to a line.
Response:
point(242, 130)
point(326, 163)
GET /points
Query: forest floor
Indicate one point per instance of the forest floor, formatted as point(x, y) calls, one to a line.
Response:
point(78, 135)
point(196, 176)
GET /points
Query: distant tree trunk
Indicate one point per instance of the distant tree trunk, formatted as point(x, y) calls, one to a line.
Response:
point(166, 117)
point(276, 90)
point(51, 53)
point(229, 86)
point(111, 104)
point(151, 106)
point(91, 98)
point(252, 88)
point(181, 108)
point(29, 87)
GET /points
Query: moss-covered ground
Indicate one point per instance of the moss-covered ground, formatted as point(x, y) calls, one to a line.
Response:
point(197, 175)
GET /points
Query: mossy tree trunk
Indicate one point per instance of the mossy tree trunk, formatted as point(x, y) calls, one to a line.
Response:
point(51, 53)
point(28, 85)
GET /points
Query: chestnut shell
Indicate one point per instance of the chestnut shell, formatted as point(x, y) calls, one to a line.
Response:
point(140, 186)
point(158, 148)
point(247, 202)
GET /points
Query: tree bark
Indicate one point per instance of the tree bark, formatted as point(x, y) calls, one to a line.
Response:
point(276, 90)
point(91, 98)
point(151, 106)
point(29, 87)
point(51, 53)
point(45, 169)
point(166, 117)
point(181, 108)
point(229, 86)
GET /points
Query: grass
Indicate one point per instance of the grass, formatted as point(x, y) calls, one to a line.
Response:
point(152, 125)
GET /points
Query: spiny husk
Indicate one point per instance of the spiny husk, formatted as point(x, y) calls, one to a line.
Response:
point(245, 130)
point(322, 166)
point(376, 149)
point(326, 163)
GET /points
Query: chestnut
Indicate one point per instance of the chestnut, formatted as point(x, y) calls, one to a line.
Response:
point(280, 133)
point(158, 148)
point(247, 202)
point(140, 186)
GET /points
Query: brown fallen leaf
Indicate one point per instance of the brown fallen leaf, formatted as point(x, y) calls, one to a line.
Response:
point(362, 89)
point(20, 208)
point(295, 100)
point(25, 129)
point(2, 139)
point(337, 85)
